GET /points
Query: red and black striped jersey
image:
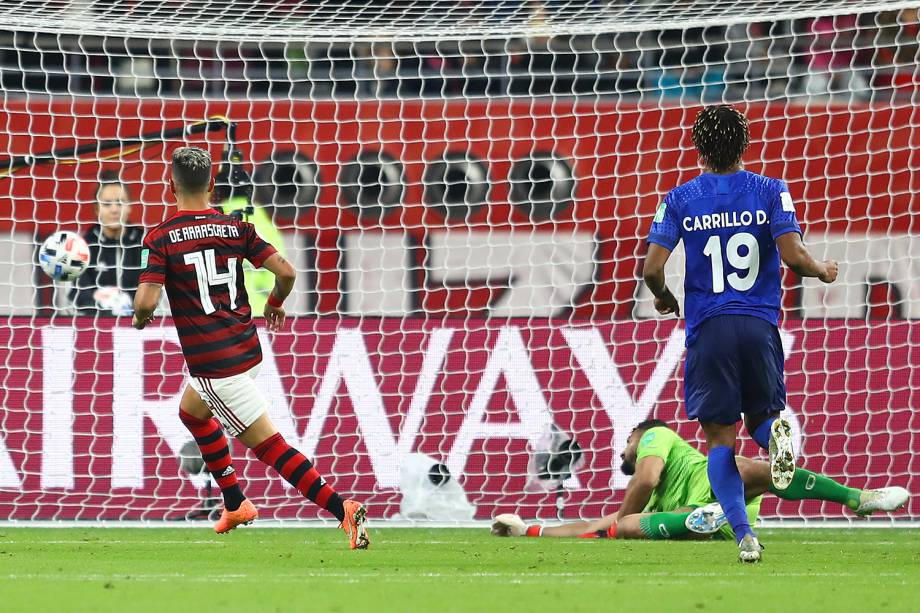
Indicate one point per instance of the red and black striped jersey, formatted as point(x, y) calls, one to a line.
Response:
point(198, 256)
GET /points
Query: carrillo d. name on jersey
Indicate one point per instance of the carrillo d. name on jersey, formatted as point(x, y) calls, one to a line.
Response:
point(198, 257)
point(729, 225)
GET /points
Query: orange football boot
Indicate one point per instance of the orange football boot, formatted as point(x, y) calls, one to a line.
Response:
point(231, 519)
point(353, 524)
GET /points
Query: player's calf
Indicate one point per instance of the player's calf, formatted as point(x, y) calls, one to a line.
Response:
point(299, 472)
point(215, 451)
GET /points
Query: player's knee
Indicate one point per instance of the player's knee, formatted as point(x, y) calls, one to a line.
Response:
point(754, 474)
point(752, 422)
point(192, 404)
point(719, 435)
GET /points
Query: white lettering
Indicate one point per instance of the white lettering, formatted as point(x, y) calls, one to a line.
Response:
point(509, 358)
point(9, 476)
point(725, 219)
point(57, 407)
point(435, 352)
point(129, 407)
point(591, 352)
point(349, 363)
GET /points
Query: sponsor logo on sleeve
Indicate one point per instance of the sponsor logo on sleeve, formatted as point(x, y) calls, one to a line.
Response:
point(144, 254)
point(786, 199)
point(659, 214)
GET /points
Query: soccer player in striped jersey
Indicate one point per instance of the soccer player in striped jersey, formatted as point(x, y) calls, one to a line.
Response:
point(197, 254)
point(736, 226)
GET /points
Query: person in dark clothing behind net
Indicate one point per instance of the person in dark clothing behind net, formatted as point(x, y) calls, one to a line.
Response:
point(108, 285)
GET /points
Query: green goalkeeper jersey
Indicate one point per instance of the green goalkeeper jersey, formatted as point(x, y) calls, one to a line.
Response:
point(684, 481)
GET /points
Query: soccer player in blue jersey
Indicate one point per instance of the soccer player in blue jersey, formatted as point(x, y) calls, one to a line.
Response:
point(735, 225)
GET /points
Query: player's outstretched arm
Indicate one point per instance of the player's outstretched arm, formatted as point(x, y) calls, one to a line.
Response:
point(145, 303)
point(284, 284)
point(653, 273)
point(793, 252)
point(641, 485)
point(509, 524)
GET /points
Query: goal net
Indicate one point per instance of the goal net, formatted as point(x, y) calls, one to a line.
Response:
point(465, 189)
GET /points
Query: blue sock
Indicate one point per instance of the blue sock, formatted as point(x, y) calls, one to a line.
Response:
point(729, 490)
point(762, 434)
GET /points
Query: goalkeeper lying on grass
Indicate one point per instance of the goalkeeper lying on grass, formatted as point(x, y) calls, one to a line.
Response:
point(669, 494)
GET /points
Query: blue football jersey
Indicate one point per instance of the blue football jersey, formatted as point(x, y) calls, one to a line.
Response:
point(729, 225)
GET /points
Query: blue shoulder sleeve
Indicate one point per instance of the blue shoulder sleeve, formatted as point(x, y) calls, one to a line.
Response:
point(666, 227)
point(782, 212)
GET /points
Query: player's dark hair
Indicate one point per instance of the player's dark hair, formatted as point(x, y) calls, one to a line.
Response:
point(648, 424)
point(721, 136)
point(110, 177)
point(191, 169)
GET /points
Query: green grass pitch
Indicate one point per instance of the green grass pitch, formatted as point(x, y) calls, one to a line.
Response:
point(255, 570)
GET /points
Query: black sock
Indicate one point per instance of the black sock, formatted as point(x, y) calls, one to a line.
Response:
point(336, 506)
point(233, 497)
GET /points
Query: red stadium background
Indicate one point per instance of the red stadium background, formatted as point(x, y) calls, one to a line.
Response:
point(852, 169)
point(853, 384)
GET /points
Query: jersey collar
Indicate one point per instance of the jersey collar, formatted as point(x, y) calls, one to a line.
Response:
point(181, 212)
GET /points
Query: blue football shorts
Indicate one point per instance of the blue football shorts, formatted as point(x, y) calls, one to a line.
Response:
point(734, 366)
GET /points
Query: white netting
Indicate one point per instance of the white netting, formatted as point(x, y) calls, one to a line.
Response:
point(350, 20)
point(465, 189)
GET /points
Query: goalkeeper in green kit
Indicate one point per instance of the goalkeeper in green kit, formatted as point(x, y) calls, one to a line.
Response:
point(669, 495)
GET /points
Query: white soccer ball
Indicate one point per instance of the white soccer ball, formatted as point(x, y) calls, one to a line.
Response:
point(64, 256)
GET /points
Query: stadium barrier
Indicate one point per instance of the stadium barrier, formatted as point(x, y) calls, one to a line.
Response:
point(90, 432)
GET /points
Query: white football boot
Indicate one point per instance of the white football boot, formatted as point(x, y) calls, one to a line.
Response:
point(782, 457)
point(883, 499)
point(706, 520)
point(749, 549)
point(508, 524)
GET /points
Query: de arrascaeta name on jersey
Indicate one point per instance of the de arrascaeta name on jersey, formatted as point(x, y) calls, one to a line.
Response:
point(725, 219)
point(203, 231)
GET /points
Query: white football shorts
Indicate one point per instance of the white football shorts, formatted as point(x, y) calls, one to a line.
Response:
point(235, 401)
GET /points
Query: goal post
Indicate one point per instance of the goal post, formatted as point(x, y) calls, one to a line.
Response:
point(465, 190)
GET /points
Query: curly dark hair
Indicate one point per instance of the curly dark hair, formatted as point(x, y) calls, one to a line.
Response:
point(721, 136)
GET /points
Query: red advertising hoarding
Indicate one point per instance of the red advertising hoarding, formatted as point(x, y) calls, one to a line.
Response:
point(89, 426)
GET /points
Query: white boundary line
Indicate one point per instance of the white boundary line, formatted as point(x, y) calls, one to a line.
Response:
point(402, 523)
